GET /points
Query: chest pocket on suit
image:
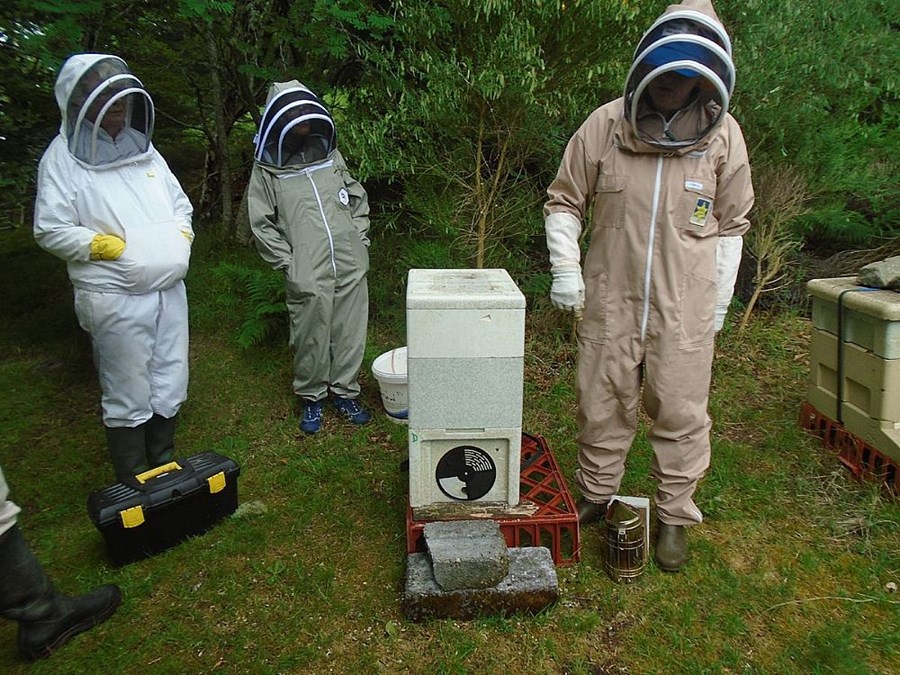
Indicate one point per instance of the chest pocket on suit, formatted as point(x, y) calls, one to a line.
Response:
point(695, 212)
point(609, 201)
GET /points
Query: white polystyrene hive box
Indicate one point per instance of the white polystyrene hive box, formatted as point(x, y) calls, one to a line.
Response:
point(465, 360)
point(464, 313)
point(870, 317)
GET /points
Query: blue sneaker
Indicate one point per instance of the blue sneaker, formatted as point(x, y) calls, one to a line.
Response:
point(352, 410)
point(311, 421)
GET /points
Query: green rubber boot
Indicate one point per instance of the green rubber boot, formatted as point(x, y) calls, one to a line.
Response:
point(127, 450)
point(590, 512)
point(160, 439)
point(47, 619)
point(671, 547)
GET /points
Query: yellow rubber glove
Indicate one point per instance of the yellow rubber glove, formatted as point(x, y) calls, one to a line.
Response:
point(106, 247)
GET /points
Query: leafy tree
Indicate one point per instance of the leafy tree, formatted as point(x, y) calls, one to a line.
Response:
point(455, 112)
point(818, 89)
point(468, 104)
point(33, 39)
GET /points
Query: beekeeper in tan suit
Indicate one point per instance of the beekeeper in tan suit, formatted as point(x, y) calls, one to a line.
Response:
point(666, 170)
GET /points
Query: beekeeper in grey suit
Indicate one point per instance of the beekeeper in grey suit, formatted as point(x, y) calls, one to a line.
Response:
point(310, 220)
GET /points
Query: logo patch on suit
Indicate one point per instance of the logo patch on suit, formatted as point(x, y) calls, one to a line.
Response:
point(343, 196)
point(701, 212)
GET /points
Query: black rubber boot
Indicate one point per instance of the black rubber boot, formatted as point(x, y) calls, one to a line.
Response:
point(160, 439)
point(590, 512)
point(127, 450)
point(47, 619)
point(671, 547)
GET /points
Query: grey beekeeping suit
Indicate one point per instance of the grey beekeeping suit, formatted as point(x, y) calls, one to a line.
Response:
point(310, 219)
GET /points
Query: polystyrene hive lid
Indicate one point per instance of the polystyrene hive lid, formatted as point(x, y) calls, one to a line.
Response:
point(881, 304)
point(462, 289)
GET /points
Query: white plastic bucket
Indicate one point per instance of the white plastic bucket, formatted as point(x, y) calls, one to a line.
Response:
point(390, 371)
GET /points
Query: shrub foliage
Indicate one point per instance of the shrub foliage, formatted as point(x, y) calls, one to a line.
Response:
point(455, 113)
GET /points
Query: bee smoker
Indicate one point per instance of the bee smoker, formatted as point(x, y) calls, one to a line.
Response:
point(625, 553)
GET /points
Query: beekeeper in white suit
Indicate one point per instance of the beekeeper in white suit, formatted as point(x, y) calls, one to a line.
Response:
point(109, 206)
point(666, 170)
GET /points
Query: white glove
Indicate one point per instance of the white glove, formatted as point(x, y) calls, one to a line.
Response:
point(567, 290)
point(728, 260)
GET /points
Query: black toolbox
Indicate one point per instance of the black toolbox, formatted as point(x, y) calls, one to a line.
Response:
point(160, 508)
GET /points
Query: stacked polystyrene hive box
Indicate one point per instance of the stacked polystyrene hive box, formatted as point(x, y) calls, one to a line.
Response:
point(465, 362)
point(866, 347)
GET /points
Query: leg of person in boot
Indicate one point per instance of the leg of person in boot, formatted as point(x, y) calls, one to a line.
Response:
point(160, 439)
point(127, 450)
point(47, 619)
point(590, 512)
point(671, 547)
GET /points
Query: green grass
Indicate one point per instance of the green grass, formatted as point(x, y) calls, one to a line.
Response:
point(787, 574)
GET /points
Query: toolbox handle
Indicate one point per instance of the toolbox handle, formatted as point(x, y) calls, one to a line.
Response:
point(158, 471)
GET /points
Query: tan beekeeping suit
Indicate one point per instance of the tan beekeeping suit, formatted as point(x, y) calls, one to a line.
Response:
point(661, 214)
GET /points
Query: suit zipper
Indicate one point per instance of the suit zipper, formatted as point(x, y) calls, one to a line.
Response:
point(654, 213)
point(308, 173)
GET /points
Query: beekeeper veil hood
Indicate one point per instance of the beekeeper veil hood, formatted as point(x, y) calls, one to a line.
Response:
point(296, 127)
point(107, 115)
point(682, 61)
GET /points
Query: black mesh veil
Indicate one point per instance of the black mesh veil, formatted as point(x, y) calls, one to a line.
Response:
point(684, 51)
point(296, 128)
point(109, 115)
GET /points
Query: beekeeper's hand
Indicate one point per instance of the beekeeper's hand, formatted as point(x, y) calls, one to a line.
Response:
point(106, 247)
point(567, 290)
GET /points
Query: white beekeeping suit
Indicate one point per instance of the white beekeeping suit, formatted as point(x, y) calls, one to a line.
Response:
point(109, 206)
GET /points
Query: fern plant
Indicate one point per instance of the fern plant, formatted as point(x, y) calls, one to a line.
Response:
point(262, 289)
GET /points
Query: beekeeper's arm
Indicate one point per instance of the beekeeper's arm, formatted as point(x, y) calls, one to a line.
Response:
point(57, 228)
point(270, 242)
point(359, 199)
point(182, 207)
point(734, 198)
point(563, 216)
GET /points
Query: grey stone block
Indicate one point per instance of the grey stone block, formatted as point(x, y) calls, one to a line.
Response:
point(466, 553)
point(530, 587)
point(883, 274)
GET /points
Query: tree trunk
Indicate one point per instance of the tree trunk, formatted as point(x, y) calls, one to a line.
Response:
point(242, 233)
point(221, 132)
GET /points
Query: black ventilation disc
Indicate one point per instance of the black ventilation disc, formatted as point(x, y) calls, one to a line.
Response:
point(465, 473)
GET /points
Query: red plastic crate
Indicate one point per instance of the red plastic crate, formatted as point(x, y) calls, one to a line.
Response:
point(554, 524)
point(861, 458)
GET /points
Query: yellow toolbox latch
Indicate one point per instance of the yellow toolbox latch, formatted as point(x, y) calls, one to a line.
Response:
point(216, 482)
point(132, 517)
